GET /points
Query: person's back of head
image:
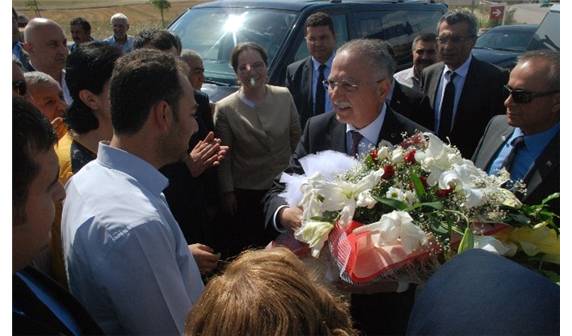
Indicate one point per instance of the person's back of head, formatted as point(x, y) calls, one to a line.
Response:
point(141, 79)
point(89, 67)
point(268, 292)
point(160, 39)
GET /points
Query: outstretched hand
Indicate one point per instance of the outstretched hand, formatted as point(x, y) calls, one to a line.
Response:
point(205, 257)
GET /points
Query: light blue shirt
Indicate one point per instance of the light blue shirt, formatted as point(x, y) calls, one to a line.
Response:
point(370, 133)
point(125, 48)
point(459, 82)
point(127, 260)
point(533, 146)
point(315, 74)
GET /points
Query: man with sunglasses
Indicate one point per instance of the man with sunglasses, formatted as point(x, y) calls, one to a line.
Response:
point(464, 93)
point(526, 141)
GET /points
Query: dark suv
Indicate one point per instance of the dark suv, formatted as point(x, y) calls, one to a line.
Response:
point(214, 28)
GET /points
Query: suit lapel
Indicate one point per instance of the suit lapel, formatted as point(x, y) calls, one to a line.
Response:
point(434, 84)
point(491, 149)
point(467, 97)
point(338, 136)
point(544, 165)
point(307, 80)
point(390, 128)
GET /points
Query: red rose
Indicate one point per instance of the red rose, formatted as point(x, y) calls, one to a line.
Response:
point(443, 192)
point(373, 154)
point(410, 157)
point(424, 181)
point(388, 171)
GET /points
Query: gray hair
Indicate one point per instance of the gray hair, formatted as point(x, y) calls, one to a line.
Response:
point(118, 16)
point(377, 53)
point(455, 17)
point(38, 78)
point(188, 55)
point(427, 37)
point(553, 59)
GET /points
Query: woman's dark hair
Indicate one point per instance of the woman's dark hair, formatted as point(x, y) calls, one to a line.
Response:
point(32, 133)
point(244, 46)
point(88, 67)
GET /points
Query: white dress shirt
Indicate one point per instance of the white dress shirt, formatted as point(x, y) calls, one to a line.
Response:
point(127, 260)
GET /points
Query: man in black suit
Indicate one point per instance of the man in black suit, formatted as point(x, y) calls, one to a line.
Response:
point(358, 86)
point(464, 93)
point(304, 78)
point(39, 304)
point(527, 140)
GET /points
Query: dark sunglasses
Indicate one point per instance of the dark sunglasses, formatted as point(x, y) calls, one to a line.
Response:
point(525, 97)
point(20, 87)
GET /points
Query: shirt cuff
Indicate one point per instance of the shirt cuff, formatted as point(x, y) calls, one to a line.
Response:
point(278, 227)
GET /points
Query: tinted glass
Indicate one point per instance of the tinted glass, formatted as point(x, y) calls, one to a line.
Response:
point(341, 29)
point(505, 40)
point(213, 33)
point(398, 28)
point(548, 34)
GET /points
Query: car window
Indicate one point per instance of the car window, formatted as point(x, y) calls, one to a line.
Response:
point(341, 29)
point(548, 34)
point(505, 40)
point(214, 32)
point(398, 28)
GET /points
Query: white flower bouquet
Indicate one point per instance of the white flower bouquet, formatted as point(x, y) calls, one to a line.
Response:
point(397, 213)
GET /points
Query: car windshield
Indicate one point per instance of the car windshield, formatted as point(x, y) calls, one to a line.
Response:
point(505, 40)
point(213, 33)
point(548, 34)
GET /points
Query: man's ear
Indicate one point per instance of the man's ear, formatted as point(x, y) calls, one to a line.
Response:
point(89, 98)
point(383, 89)
point(162, 116)
point(28, 47)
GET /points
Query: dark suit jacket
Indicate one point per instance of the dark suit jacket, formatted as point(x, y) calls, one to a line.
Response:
point(299, 82)
point(543, 178)
point(324, 132)
point(481, 99)
point(31, 315)
point(412, 104)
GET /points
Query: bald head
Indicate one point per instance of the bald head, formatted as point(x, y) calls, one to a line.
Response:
point(45, 43)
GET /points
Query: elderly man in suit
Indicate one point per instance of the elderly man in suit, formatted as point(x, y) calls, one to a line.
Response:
point(358, 85)
point(527, 140)
point(304, 78)
point(464, 93)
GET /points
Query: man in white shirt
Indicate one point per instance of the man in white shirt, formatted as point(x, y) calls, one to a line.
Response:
point(46, 45)
point(424, 53)
point(120, 39)
point(126, 258)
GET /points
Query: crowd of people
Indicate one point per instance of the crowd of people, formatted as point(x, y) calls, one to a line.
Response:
point(164, 187)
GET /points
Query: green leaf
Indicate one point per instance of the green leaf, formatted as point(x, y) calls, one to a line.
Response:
point(437, 227)
point(434, 205)
point(468, 241)
point(392, 203)
point(419, 188)
point(520, 218)
point(551, 197)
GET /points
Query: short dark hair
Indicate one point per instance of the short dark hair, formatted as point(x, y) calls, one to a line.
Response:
point(161, 39)
point(88, 67)
point(244, 46)
point(319, 19)
point(454, 17)
point(552, 57)
point(426, 37)
point(79, 21)
point(31, 133)
point(140, 80)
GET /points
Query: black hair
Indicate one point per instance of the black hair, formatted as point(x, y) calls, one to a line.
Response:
point(31, 133)
point(81, 22)
point(88, 67)
point(319, 19)
point(244, 46)
point(156, 38)
point(140, 80)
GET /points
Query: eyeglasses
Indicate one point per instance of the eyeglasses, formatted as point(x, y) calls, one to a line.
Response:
point(255, 66)
point(525, 97)
point(453, 39)
point(344, 84)
point(20, 87)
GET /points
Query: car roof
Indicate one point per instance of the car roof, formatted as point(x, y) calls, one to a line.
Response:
point(298, 5)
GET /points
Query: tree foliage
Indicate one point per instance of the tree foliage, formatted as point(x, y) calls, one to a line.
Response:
point(161, 5)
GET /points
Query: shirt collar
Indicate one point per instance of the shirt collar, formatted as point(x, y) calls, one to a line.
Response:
point(537, 141)
point(317, 63)
point(371, 131)
point(132, 165)
point(462, 70)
